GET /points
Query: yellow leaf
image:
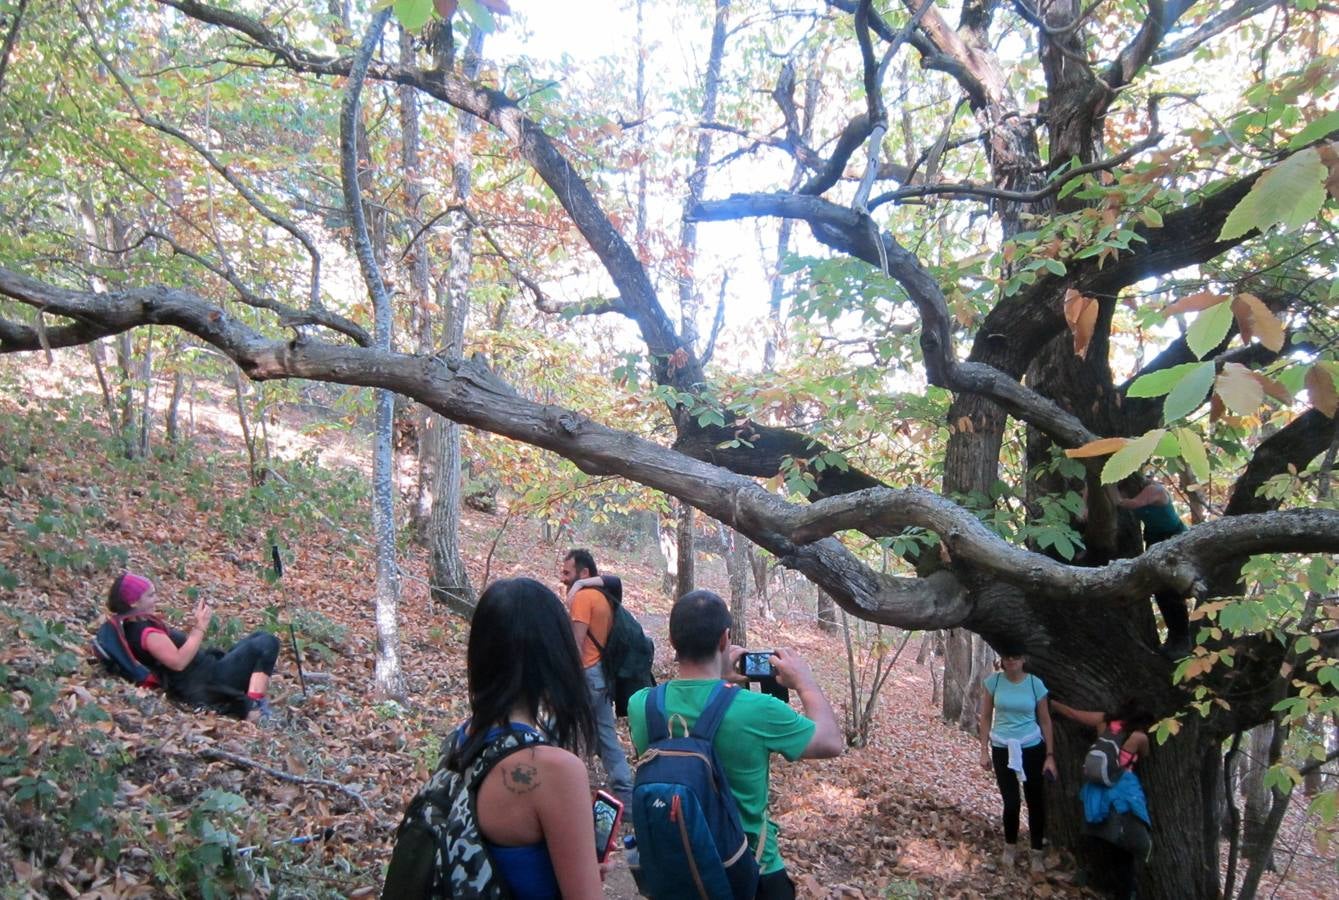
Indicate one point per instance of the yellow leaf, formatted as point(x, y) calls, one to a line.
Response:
point(1081, 315)
point(1099, 447)
point(1240, 391)
point(1194, 303)
point(1320, 387)
point(1258, 321)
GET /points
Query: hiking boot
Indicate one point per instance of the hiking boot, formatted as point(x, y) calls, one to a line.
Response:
point(258, 711)
point(1009, 855)
point(1037, 862)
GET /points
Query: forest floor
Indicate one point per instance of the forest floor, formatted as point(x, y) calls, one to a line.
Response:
point(107, 790)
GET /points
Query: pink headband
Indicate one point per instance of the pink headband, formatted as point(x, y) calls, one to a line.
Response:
point(133, 587)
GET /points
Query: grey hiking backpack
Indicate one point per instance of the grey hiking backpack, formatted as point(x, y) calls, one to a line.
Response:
point(439, 851)
point(1101, 764)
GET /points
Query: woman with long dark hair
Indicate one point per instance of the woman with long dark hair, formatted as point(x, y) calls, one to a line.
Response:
point(233, 682)
point(529, 706)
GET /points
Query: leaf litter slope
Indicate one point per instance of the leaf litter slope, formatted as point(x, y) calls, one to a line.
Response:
point(911, 814)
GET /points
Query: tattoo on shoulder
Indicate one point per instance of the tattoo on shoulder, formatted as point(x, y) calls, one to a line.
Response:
point(521, 778)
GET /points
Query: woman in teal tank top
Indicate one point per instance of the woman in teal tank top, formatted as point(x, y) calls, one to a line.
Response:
point(1015, 731)
point(1152, 505)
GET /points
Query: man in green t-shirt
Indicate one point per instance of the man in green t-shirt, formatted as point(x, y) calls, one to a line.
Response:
point(755, 726)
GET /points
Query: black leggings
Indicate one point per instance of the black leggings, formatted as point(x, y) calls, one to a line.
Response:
point(1034, 758)
point(220, 680)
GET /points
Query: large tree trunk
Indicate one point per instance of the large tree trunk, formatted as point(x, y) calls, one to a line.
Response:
point(737, 567)
point(428, 449)
point(450, 580)
point(386, 589)
point(685, 542)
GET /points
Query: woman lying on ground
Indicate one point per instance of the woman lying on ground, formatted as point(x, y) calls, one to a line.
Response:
point(1118, 813)
point(233, 683)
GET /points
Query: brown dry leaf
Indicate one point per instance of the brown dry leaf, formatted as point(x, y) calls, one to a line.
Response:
point(1194, 302)
point(1330, 156)
point(1099, 447)
point(1273, 388)
point(1081, 316)
point(1320, 387)
point(1257, 321)
point(810, 888)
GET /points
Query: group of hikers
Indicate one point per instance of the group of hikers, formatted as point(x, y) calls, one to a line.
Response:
point(1016, 742)
point(547, 676)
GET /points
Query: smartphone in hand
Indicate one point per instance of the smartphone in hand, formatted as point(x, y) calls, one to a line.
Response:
point(608, 815)
point(756, 664)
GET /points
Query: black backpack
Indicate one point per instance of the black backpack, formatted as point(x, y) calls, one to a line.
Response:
point(1101, 764)
point(439, 851)
point(627, 654)
point(110, 647)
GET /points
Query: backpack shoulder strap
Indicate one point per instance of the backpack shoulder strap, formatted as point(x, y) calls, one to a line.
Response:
point(657, 726)
point(500, 749)
point(710, 718)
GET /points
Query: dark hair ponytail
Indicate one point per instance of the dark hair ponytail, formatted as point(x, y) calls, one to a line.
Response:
point(522, 653)
point(115, 602)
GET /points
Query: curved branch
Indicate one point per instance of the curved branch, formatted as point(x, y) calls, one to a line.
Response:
point(469, 393)
point(962, 191)
point(1212, 27)
point(466, 391)
point(1160, 19)
point(852, 232)
point(534, 146)
point(10, 37)
point(289, 316)
point(1184, 562)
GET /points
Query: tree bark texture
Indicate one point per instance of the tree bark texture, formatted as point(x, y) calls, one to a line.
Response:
point(450, 579)
point(386, 587)
point(685, 538)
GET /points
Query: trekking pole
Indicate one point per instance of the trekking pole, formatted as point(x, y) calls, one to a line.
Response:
point(277, 558)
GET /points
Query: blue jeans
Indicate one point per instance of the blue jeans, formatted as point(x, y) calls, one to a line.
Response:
point(611, 751)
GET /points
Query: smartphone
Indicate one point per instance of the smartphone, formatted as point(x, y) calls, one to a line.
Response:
point(757, 664)
point(608, 813)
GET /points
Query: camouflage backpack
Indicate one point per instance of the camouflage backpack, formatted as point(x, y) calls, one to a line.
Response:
point(439, 851)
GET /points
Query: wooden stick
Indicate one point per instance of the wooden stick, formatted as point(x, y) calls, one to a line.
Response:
point(248, 763)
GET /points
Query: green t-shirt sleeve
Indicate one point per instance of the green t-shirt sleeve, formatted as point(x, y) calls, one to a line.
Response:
point(786, 731)
point(637, 720)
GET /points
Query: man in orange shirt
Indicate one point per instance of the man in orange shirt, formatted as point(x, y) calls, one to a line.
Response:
point(592, 616)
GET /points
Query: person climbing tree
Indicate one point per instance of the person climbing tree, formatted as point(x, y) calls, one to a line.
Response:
point(1152, 505)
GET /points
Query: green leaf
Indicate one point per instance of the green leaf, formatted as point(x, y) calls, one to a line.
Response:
point(1188, 394)
point(1290, 194)
point(1130, 457)
point(1156, 384)
point(413, 14)
point(1169, 446)
point(1193, 452)
point(1209, 328)
point(1315, 131)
